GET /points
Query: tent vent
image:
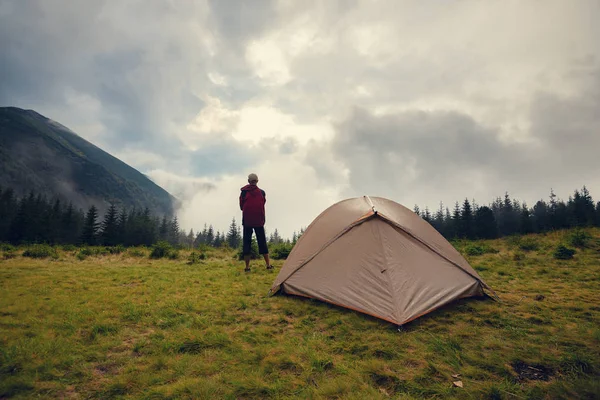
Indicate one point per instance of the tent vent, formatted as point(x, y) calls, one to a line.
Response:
point(371, 204)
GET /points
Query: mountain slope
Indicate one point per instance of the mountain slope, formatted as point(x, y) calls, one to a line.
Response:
point(39, 154)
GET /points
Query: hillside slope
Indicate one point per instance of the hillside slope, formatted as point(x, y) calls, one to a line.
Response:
point(39, 154)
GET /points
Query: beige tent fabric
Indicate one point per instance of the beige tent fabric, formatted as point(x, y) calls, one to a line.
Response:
point(377, 257)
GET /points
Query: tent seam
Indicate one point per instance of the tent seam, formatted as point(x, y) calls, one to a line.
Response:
point(386, 271)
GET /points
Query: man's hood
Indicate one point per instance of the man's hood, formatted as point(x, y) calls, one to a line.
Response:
point(249, 188)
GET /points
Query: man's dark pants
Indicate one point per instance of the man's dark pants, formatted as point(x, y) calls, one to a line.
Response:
point(260, 238)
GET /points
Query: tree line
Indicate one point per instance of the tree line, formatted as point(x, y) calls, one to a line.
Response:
point(506, 216)
point(36, 219)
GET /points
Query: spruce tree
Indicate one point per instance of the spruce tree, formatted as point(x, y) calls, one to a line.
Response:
point(485, 223)
point(456, 224)
point(89, 235)
point(190, 239)
point(110, 235)
point(163, 231)
point(233, 235)
point(540, 217)
point(466, 220)
point(122, 227)
point(8, 211)
point(525, 223)
point(173, 236)
point(416, 210)
point(210, 236)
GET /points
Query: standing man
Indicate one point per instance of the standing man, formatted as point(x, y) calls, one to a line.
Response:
point(252, 204)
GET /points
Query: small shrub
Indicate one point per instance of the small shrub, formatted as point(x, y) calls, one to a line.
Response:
point(86, 252)
point(529, 244)
point(8, 254)
point(69, 247)
point(173, 254)
point(40, 251)
point(474, 250)
point(195, 258)
point(81, 256)
point(281, 251)
point(136, 252)
point(7, 247)
point(101, 251)
point(162, 249)
point(479, 249)
point(519, 256)
point(579, 238)
point(118, 249)
point(563, 253)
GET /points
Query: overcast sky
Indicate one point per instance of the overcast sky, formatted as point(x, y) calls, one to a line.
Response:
point(419, 102)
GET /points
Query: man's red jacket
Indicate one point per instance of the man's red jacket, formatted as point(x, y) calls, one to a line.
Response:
point(252, 204)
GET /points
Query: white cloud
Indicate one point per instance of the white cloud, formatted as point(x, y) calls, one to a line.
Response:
point(266, 122)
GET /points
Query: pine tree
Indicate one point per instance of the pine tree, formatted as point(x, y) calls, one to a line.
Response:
point(163, 231)
point(540, 217)
point(210, 236)
point(21, 229)
point(456, 230)
point(526, 223)
point(8, 211)
point(190, 238)
point(122, 227)
point(427, 215)
point(89, 235)
point(218, 242)
point(233, 235)
point(552, 211)
point(173, 235)
point(109, 233)
point(466, 220)
point(417, 210)
point(275, 237)
point(485, 223)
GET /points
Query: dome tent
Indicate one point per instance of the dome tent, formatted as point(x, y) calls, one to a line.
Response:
point(375, 256)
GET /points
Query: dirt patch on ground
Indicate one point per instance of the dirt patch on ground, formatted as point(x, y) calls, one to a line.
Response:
point(534, 372)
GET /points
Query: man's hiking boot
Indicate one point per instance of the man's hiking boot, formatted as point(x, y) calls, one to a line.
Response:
point(270, 267)
point(247, 269)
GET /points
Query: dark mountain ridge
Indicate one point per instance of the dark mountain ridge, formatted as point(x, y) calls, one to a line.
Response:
point(38, 154)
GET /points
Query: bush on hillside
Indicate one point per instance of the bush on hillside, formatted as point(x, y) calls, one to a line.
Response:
point(163, 249)
point(136, 252)
point(479, 249)
point(281, 251)
point(563, 253)
point(69, 247)
point(41, 251)
point(7, 247)
point(529, 244)
point(8, 254)
point(118, 249)
point(579, 238)
point(195, 258)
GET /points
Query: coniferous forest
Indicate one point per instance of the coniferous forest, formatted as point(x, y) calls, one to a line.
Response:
point(37, 219)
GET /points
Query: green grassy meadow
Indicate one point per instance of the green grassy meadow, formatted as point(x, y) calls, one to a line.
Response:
point(127, 326)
